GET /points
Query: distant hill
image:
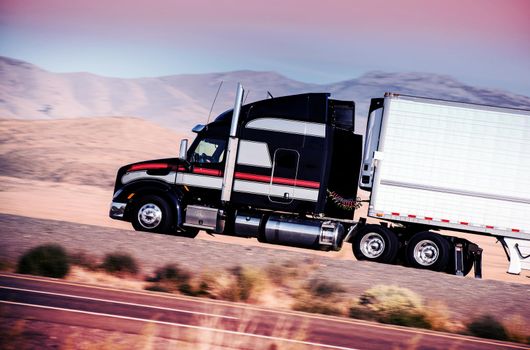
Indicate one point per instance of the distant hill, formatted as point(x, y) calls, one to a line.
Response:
point(180, 101)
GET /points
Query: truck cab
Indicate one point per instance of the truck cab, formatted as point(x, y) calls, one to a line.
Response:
point(278, 158)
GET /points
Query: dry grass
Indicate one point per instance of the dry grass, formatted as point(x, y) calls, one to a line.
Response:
point(82, 275)
point(517, 329)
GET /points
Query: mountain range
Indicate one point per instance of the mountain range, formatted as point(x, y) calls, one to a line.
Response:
point(181, 101)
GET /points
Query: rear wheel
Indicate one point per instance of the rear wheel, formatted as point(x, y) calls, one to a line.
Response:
point(428, 250)
point(152, 214)
point(375, 243)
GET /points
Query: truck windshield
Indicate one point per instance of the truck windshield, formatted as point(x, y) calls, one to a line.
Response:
point(209, 150)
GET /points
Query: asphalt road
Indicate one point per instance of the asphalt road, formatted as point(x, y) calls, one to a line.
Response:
point(124, 311)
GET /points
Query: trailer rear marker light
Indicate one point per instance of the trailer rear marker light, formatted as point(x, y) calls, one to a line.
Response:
point(464, 223)
point(428, 218)
point(395, 214)
point(379, 215)
point(445, 220)
point(412, 216)
point(515, 230)
point(130, 196)
point(488, 226)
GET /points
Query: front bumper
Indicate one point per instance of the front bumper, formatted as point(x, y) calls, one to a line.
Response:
point(117, 210)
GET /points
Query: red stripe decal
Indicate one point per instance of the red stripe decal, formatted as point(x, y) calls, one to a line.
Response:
point(445, 220)
point(206, 171)
point(412, 216)
point(149, 166)
point(395, 214)
point(464, 223)
point(428, 218)
point(277, 180)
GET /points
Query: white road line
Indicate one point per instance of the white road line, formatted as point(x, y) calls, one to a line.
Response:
point(120, 302)
point(183, 326)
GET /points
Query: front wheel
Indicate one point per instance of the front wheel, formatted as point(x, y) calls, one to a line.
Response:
point(375, 243)
point(428, 250)
point(152, 214)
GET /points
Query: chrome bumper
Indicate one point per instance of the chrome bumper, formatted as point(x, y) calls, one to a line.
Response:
point(117, 210)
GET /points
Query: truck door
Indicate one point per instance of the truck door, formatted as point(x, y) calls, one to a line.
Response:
point(207, 158)
point(284, 175)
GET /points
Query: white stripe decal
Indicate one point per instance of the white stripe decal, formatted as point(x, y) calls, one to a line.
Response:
point(288, 126)
point(267, 189)
point(136, 175)
point(204, 181)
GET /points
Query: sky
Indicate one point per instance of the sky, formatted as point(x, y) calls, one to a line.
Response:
point(485, 43)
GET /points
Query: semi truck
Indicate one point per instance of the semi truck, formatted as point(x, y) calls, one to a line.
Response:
point(286, 170)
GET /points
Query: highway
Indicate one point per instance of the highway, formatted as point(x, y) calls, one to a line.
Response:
point(238, 326)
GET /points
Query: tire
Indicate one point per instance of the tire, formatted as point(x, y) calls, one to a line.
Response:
point(428, 250)
point(376, 243)
point(152, 214)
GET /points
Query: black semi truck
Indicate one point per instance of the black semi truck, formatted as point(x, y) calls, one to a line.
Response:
point(286, 170)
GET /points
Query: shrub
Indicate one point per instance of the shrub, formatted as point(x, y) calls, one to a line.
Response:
point(171, 272)
point(119, 263)
point(323, 288)
point(392, 304)
point(487, 326)
point(382, 298)
point(48, 260)
point(172, 278)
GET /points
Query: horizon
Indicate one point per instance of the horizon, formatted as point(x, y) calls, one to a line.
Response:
point(484, 45)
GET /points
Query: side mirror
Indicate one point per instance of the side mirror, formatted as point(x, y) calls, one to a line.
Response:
point(183, 148)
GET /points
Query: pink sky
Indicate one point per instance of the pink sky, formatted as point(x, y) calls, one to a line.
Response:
point(484, 42)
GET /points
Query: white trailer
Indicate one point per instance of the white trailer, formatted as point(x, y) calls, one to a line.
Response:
point(448, 165)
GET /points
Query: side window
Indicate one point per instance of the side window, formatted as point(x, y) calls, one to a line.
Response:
point(209, 150)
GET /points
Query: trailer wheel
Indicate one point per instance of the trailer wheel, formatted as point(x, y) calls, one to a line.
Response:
point(375, 243)
point(428, 250)
point(152, 214)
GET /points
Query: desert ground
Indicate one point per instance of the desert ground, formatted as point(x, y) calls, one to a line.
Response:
point(65, 170)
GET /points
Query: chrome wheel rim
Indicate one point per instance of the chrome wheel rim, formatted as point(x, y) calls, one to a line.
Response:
point(426, 252)
point(149, 216)
point(372, 245)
